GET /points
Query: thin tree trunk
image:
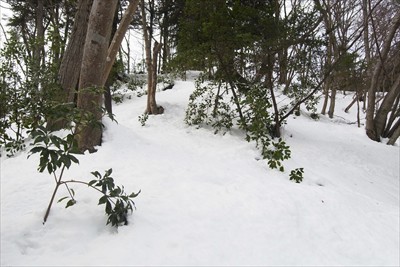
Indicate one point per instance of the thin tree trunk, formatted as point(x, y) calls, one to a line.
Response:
point(93, 63)
point(152, 107)
point(351, 104)
point(326, 97)
point(38, 52)
point(393, 115)
point(332, 103)
point(118, 37)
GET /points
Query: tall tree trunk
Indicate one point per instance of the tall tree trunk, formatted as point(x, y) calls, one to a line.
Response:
point(151, 62)
point(386, 106)
point(118, 37)
point(71, 62)
point(370, 126)
point(393, 115)
point(70, 66)
point(93, 62)
point(332, 103)
point(152, 107)
point(326, 96)
point(38, 50)
point(395, 135)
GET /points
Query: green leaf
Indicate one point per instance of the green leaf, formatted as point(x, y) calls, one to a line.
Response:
point(97, 174)
point(39, 139)
point(61, 199)
point(53, 156)
point(50, 168)
point(70, 203)
point(36, 149)
point(133, 195)
point(66, 161)
point(73, 158)
point(92, 182)
point(108, 208)
point(55, 141)
point(108, 172)
point(103, 200)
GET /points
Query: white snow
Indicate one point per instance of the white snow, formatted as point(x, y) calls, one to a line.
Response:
point(207, 200)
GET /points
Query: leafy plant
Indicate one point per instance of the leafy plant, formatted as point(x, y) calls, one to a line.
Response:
point(26, 91)
point(212, 104)
point(143, 118)
point(297, 175)
point(57, 155)
point(117, 202)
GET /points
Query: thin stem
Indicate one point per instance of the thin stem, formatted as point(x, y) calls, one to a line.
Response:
point(55, 176)
point(69, 192)
point(50, 204)
point(85, 183)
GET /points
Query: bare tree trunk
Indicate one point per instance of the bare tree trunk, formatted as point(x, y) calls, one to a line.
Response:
point(93, 63)
point(355, 99)
point(386, 106)
point(395, 135)
point(118, 37)
point(151, 63)
point(370, 126)
point(152, 107)
point(38, 53)
point(70, 67)
point(393, 115)
point(326, 97)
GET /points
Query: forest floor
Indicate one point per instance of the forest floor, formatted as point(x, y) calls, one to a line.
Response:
point(209, 200)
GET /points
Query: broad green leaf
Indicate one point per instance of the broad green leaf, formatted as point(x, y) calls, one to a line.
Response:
point(102, 200)
point(92, 182)
point(73, 158)
point(61, 199)
point(70, 203)
point(133, 195)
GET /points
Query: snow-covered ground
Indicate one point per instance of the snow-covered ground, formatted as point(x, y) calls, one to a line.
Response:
point(207, 200)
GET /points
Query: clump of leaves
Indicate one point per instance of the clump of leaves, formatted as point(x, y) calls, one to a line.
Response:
point(297, 175)
point(143, 118)
point(277, 154)
point(57, 155)
point(117, 202)
point(213, 103)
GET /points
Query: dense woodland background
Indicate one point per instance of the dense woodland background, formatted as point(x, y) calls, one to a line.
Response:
point(63, 57)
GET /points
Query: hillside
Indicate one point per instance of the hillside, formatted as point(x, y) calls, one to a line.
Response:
point(209, 200)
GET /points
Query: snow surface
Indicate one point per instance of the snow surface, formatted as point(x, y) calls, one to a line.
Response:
point(208, 200)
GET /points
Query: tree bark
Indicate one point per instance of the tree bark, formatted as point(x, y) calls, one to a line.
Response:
point(386, 106)
point(370, 126)
point(395, 135)
point(93, 63)
point(118, 37)
point(70, 67)
point(151, 64)
point(152, 107)
point(38, 52)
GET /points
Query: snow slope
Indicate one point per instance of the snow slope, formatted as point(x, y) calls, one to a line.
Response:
point(207, 200)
